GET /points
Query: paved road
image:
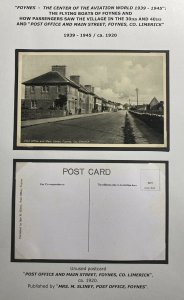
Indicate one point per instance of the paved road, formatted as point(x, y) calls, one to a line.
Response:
point(104, 128)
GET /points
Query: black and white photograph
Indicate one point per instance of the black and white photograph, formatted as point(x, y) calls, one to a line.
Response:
point(91, 99)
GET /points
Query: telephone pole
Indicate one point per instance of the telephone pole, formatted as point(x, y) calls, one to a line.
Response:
point(137, 92)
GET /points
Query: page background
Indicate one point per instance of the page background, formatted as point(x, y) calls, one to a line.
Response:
point(168, 279)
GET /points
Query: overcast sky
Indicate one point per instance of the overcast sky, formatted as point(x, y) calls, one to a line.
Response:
point(115, 77)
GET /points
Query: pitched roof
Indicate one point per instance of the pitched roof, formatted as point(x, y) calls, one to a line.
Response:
point(83, 89)
point(154, 100)
point(89, 92)
point(52, 77)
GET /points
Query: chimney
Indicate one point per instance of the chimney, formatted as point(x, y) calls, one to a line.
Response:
point(88, 87)
point(75, 78)
point(93, 89)
point(60, 69)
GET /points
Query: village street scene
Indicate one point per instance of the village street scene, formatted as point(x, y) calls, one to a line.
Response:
point(93, 100)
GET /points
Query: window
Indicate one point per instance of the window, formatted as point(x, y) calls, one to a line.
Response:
point(33, 104)
point(45, 88)
point(32, 88)
point(70, 89)
point(58, 89)
point(73, 91)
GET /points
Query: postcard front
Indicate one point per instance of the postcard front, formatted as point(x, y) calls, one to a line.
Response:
point(91, 99)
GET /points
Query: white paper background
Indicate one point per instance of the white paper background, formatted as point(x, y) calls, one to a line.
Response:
point(168, 279)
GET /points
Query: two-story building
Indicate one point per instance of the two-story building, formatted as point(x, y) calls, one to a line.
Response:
point(85, 96)
point(54, 91)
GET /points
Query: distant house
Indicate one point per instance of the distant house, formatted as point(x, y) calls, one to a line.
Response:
point(156, 105)
point(104, 104)
point(153, 103)
point(85, 102)
point(98, 104)
point(90, 100)
point(119, 106)
point(111, 105)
